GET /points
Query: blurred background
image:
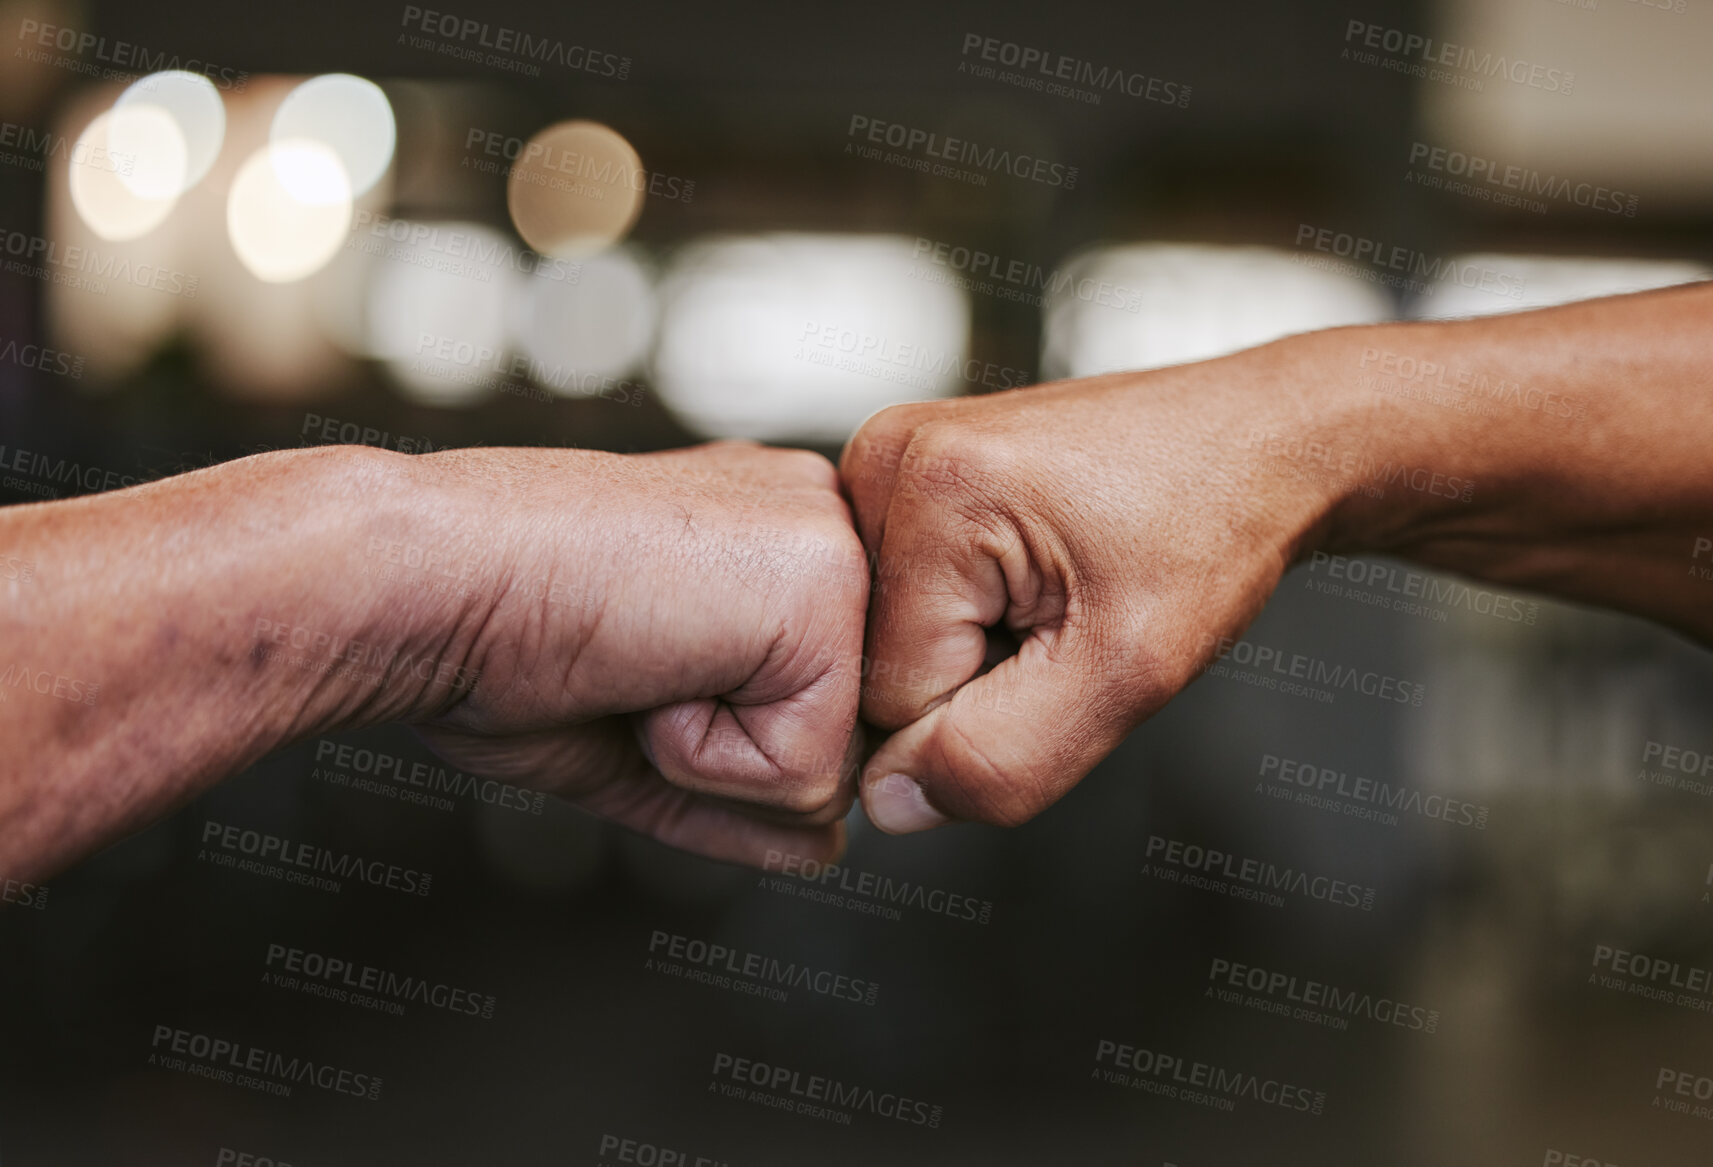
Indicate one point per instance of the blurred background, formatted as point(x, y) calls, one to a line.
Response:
point(227, 229)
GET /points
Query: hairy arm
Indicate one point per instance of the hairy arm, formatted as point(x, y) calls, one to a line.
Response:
point(519, 605)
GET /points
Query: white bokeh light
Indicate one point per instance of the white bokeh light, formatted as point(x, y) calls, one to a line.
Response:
point(598, 325)
point(151, 149)
point(102, 192)
point(436, 314)
point(1486, 284)
point(194, 106)
point(801, 337)
point(350, 116)
point(289, 210)
point(1145, 306)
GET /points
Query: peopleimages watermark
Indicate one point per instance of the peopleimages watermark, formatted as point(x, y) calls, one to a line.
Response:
point(1523, 187)
point(1464, 390)
point(338, 656)
point(1674, 1086)
point(37, 148)
point(943, 156)
point(428, 569)
point(323, 430)
point(866, 892)
point(112, 60)
point(1555, 1158)
point(41, 358)
point(23, 893)
point(1697, 570)
point(1430, 59)
point(1258, 880)
point(474, 255)
point(1315, 461)
point(814, 1095)
point(253, 1067)
point(623, 1149)
point(1679, 768)
point(14, 569)
point(989, 274)
point(1335, 791)
point(422, 783)
point(449, 358)
point(1404, 590)
point(231, 1157)
point(464, 38)
point(45, 469)
point(1197, 1082)
point(303, 864)
point(768, 977)
point(350, 982)
point(1399, 266)
point(1298, 674)
point(568, 171)
point(1306, 999)
point(1058, 75)
point(1653, 978)
point(919, 366)
point(47, 683)
point(85, 268)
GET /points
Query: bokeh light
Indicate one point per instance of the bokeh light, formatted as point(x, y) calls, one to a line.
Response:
point(350, 116)
point(104, 195)
point(194, 106)
point(1148, 305)
point(1484, 284)
point(289, 210)
point(598, 325)
point(575, 188)
point(800, 337)
point(437, 315)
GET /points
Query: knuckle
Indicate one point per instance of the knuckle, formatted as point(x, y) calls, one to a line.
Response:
point(874, 450)
point(948, 461)
point(809, 785)
point(812, 466)
point(828, 565)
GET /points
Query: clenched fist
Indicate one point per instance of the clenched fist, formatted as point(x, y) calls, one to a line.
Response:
point(670, 640)
point(675, 644)
point(1111, 525)
point(1125, 528)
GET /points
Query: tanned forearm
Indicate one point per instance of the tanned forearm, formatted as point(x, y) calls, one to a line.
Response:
point(1573, 448)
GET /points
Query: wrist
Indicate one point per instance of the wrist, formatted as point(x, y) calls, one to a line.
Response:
point(1386, 448)
point(363, 607)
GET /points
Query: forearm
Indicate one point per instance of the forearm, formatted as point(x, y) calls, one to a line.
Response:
point(171, 634)
point(1564, 450)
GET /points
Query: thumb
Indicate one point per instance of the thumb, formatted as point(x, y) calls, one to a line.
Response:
point(1007, 744)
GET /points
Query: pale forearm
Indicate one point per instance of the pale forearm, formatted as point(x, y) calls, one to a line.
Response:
point(519, 604)
point(173, 633)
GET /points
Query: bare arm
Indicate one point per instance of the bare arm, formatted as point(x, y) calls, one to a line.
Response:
point(1130, 526)
point(1592, 459)
point(519, 604)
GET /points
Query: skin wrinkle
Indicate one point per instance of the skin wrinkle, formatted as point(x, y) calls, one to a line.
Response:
point(1146, 496)
point(654, 620)
point(1176, 515)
